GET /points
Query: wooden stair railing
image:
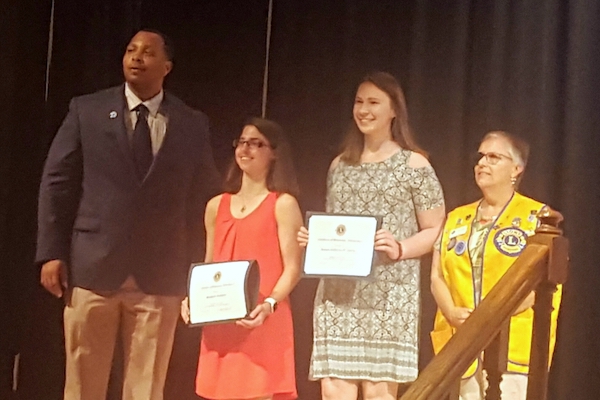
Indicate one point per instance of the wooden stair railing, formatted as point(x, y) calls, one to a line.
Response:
point(541, 266)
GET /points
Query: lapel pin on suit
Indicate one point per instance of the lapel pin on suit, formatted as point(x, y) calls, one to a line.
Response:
point(112, 115)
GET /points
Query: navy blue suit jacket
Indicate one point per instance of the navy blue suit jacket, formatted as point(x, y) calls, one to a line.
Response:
point(100, 218)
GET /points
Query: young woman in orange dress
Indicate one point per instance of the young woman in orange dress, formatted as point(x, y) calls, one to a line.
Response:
point(256, 218)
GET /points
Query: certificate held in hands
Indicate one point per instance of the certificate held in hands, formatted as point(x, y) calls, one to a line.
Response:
point(222, 292)
point(340, 245)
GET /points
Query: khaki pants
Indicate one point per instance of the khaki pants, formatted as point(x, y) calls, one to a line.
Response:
point(147, 325)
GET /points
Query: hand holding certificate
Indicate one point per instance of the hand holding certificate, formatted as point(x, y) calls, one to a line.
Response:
point(222, 292)
point(340, 245)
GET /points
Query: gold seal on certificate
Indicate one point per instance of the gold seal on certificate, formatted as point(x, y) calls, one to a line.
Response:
point(340, 245)
point(223, 291)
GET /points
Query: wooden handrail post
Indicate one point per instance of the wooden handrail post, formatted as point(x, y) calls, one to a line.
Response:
point(454, 393)
point(550, 235)
point(495, 358)
point(538, 363)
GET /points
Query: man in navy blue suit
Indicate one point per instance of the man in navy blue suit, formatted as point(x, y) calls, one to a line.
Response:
point(120, 220)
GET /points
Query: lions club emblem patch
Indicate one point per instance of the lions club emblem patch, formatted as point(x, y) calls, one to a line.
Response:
point(510, 241)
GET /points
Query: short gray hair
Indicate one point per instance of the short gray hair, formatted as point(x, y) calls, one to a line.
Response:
point(518, 148)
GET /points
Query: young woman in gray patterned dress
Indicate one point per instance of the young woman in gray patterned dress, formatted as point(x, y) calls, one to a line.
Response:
point(366, 333)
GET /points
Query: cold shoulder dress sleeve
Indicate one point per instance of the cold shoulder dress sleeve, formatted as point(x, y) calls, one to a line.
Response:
point(370, 330)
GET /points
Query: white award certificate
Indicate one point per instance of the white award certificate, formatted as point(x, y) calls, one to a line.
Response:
point(340, 245)
point(222, 292)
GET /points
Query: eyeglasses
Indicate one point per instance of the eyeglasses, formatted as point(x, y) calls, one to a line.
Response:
point(251, 143)
point(491, 157)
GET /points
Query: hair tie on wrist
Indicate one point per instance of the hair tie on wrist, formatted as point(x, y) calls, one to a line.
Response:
point(399, 251)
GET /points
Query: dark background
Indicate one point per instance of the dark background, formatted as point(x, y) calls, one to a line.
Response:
point(526, 66)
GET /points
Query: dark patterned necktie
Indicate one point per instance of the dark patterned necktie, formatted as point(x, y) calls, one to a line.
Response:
point(141, 143)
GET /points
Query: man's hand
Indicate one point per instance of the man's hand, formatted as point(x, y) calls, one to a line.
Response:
point(54, 277)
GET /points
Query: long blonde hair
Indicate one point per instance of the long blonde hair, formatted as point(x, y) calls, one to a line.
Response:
point(353, 143)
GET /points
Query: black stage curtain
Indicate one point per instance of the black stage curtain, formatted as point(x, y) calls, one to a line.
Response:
point(23, 49)
point(466, 66)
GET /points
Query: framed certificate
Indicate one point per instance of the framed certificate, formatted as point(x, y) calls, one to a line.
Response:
point(340, 245)
point(222, 292)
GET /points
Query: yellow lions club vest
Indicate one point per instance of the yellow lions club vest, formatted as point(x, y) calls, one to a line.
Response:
point(503, 243)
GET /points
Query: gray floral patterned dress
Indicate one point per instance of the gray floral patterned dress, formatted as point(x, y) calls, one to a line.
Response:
point(370, 330)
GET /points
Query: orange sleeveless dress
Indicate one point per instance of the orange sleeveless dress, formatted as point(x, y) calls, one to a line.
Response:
point(240, 363)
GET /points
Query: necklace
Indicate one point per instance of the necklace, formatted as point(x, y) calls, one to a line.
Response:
point(486, 219)
point(243, 207)
point(251, 201)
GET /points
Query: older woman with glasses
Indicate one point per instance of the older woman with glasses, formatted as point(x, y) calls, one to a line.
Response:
point(480, 241)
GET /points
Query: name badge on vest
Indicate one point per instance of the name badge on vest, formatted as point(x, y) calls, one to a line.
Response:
point(510, 241)
point(457, 232)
